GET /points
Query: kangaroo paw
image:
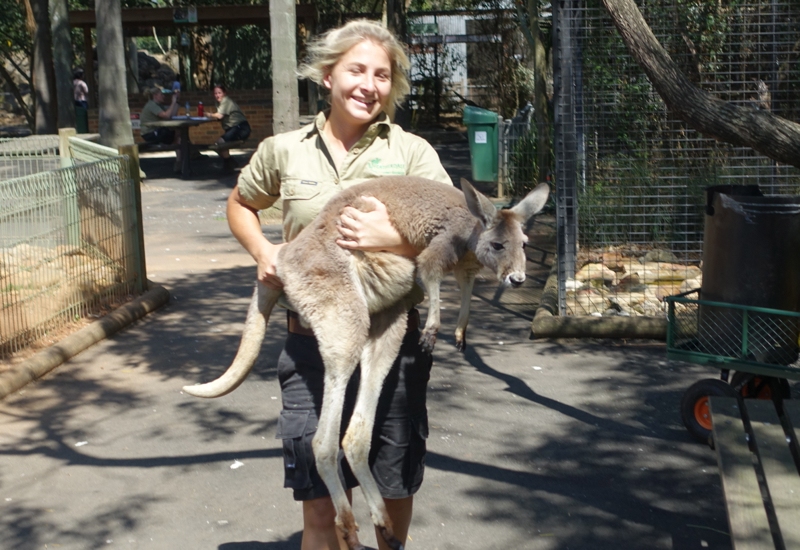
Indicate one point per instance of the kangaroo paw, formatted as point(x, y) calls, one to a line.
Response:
point(461, 344)
point(352, 541)
point(388, 537)
point(427, 341)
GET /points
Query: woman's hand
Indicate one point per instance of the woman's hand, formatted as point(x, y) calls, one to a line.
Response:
point(266, 259)
point(371, 231)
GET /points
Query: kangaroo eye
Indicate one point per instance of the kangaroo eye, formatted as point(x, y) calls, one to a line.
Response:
point(497, 246)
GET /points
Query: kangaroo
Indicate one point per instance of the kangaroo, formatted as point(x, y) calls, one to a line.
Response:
point(353, 302)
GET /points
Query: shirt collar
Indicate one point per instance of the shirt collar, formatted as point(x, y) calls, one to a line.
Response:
point(381, 121)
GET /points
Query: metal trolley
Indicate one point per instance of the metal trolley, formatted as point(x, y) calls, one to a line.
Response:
point(759, 345)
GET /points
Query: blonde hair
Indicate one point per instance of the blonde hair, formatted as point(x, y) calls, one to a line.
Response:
point(153, 90)
point(329, 48)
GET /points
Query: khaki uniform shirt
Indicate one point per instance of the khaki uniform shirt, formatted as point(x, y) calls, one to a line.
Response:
point(296, 167)
point(150, 114)
point(232, 115)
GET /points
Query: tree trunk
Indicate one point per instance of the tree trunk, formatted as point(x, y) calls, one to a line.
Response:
point(540, 114)
point(43, 76)
point(770, 135)
point(114, 115)
point(62, 56)
point(285, 100)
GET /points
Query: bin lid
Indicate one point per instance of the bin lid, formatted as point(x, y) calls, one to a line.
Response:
point(476, 115)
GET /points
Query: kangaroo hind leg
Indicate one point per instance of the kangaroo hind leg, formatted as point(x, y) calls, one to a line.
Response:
point(341, 341)
point(465, 273)
point(383, 346)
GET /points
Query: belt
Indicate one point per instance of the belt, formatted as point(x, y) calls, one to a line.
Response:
point(296, 327)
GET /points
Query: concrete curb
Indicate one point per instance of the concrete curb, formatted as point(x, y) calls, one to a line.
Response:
point(45, 361)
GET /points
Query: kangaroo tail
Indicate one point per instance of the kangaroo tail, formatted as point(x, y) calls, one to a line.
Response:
point(255, 327)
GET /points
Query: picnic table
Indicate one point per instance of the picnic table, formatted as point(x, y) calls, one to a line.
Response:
point(182, 125)
point(756, 441)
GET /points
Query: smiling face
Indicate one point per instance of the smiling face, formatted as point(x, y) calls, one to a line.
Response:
point(218, 94)
point(360, 83)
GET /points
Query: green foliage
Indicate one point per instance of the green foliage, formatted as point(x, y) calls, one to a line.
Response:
point(241, 57)
point(523, 164)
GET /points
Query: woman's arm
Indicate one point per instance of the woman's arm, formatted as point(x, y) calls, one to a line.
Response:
point(173, 108)
point(246, 227)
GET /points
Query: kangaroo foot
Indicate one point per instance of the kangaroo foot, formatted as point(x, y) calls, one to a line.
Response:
point(388, 537)
point(427, 341)
point(351, 539)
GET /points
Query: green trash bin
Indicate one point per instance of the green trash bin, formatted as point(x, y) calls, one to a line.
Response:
point(82, 122)
point(482, 131)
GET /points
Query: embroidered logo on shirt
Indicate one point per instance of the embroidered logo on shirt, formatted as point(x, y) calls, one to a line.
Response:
point(379, 168)
point(307, 182)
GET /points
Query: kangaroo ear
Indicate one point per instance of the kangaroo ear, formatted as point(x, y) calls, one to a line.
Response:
point(481, 207)
point(533, 202)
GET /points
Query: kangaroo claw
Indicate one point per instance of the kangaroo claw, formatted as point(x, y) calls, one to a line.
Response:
point(427, 341)
point(461, 345)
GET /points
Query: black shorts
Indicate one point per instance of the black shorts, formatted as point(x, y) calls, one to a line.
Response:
point(160, 135)
point(240, 132)
point(397, 455)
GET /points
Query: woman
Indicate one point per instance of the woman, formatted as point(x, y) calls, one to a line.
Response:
point(233, 122)
point(153, 111)
point(80, 91)
point(363, 68)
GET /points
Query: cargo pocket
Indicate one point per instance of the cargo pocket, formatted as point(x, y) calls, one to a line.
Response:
point(296, 432)
point(400, 458)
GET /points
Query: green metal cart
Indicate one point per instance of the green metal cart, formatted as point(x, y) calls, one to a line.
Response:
point(759, 345)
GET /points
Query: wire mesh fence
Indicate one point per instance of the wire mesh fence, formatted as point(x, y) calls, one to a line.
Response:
point(29, 155)
point(68, 244)
point(706, 331)
point(630, 176)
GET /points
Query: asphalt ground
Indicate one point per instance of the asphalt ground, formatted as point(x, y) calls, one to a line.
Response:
point(534, 444)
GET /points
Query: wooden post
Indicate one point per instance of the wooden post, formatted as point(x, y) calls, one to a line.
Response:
point(114, 116)
point(62, 59)
point(88, 70)
point(285, 100)
point(72, 209)
point(135, 241)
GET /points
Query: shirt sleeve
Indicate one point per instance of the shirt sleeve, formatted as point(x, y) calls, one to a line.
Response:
point(225, 106)
point(424, 162)
point(259, 182)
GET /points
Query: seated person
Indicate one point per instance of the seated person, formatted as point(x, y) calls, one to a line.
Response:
point(233, 122)
point(153, 111)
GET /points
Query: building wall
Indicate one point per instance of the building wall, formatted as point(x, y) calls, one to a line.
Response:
point(255, 104)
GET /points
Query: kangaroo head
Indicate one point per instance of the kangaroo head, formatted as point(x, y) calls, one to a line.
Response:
point(500, 246)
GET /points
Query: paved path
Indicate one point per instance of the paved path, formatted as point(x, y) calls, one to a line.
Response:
point(533, 444)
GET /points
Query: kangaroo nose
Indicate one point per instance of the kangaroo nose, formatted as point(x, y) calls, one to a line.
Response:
point(516, 279)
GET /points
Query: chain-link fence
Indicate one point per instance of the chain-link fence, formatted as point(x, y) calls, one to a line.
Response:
point(69, 241)
point(630, 176)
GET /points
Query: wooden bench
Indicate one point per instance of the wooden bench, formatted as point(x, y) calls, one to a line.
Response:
point(227, 145)
point(757, 452)
point(150, 147)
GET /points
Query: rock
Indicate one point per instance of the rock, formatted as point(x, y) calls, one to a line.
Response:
point(659, 256)
point(691, 284)
point(586, 304)
point(592, 272)
point(664, 290)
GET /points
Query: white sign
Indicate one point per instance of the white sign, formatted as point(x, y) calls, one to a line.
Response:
point(480, 137)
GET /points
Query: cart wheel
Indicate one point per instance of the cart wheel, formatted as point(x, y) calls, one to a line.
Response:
point(754, 386)
point(694, 406)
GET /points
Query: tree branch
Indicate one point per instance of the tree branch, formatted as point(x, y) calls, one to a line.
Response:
point(770, 135)
point(18, 95)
